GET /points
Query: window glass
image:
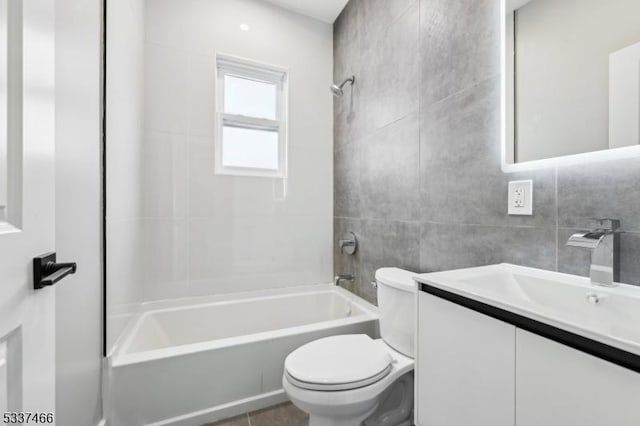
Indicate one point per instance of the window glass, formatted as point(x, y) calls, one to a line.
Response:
point(249, 148)
point(250, 98)
point(251, 118)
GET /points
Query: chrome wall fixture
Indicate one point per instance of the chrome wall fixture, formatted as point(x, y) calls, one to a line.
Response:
point(604, 243)
point(348, 244)
point(343, 277)
point(338, 90)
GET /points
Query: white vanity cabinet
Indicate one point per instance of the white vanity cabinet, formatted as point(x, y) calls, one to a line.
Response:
point(559, 386)
point(465, 366)
point(475, 370)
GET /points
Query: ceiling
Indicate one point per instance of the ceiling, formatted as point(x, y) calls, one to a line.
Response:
point(323, 10)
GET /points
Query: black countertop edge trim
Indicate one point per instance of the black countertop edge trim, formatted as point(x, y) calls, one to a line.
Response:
point(592, 347)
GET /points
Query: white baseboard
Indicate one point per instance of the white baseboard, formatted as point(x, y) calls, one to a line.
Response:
point(224, 411)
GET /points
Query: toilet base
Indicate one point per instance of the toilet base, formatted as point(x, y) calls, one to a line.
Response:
point(393, 408)
point(387, 402)
point(315, 420)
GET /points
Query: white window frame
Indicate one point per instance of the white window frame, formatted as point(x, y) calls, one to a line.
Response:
point(245, 68)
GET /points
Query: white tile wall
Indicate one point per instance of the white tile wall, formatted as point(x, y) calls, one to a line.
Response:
point(165, 83)
point(207, 234)
point(174, 228)
point(164, 177)
point(165, 256)
point(200, 87)
point(125, 82)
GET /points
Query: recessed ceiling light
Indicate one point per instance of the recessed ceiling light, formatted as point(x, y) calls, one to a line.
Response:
point(244, 27)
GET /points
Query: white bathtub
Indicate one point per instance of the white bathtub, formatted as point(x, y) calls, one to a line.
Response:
point(197, 361)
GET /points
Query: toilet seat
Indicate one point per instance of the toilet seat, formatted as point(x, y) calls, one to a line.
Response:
point(338, 363)
point(337, 386)
point(350, 406)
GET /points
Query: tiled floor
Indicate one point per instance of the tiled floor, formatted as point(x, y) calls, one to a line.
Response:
point(285, 414)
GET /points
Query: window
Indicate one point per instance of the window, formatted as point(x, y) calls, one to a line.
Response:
point(251, 136)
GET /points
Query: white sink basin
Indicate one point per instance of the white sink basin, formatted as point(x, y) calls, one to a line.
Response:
point(568, 302)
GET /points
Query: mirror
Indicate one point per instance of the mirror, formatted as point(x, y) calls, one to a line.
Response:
point(572, 77)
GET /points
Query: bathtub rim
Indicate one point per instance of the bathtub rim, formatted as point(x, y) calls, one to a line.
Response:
point(153, 305)
point(117, 357)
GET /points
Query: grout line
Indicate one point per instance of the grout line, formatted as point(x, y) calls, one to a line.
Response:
point(633, 232)
point(396, 120)
point(461, 91)
point(485, 225)
point(461, 224)
point(369, 133)
point(421, 183)
point(178, 133)
point(401, 14)
point(378, 219)
point(179, 49)
point(420, 175)
point(404, 12)
point(248, 419)
point(557, 222)
point(189, 151)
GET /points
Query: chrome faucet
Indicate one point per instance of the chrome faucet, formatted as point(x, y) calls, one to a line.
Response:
point(605, 248)
point(349, 244)
point(343, 277)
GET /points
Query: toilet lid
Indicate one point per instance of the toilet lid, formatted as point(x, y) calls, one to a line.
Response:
point(338, 363)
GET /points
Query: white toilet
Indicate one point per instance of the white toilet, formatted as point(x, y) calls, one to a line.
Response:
point(352, 379)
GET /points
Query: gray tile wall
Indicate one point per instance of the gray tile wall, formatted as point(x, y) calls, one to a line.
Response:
point(417, 152)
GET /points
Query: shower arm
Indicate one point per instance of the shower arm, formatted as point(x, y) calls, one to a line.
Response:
point(351, 80)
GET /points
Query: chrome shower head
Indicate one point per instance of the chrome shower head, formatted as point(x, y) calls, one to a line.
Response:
point(339, 90)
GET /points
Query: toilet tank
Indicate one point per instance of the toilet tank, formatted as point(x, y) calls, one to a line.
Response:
point(396, 306)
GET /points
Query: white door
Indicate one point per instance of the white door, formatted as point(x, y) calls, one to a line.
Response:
point(27, 316)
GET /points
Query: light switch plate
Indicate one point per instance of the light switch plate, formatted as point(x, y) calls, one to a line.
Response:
point(520, 198)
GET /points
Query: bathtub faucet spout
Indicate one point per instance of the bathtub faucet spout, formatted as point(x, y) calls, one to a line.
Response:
point(344, 277)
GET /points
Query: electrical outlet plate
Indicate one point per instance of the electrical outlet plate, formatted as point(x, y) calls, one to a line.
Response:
point(520, 198)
